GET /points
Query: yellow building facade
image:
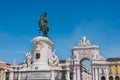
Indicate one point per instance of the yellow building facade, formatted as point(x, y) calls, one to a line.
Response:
point(2, 74)
point(113, 69)
point(3, 71)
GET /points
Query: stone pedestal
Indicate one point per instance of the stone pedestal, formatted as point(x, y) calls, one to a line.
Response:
point(41, 53)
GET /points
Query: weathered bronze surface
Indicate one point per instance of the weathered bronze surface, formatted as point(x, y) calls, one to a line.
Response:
point(43, 24)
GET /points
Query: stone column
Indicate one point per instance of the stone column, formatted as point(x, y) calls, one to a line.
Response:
point(99, 74)
point(107, 75)
point(96, 73)
point(11, 75)
point(68, 74)
point(4, 75)
point(74, 74)
point(19, 76)
point(52, 75)
point(93, 73)
point(78, 73)
point(114, 77)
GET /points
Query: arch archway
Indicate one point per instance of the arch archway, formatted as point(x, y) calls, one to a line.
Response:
point(85, 51)
point(110, 78)
point(103, 78)
point(85, 68)
point(117, 78)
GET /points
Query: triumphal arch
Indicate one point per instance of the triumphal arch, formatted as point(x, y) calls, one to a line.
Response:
point(84, 51)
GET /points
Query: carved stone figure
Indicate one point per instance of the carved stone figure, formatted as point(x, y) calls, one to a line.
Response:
point(43, 24)
point(84, 42)
point(28, 59)
point(53, 60)
point(14, 63)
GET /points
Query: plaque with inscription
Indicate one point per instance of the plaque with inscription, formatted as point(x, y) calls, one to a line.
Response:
point(39, 75)
point(35, 75)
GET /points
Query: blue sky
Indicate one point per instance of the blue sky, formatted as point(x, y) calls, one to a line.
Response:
point(68, 20)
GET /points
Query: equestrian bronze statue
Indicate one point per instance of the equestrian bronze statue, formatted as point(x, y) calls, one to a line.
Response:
point(43, 24)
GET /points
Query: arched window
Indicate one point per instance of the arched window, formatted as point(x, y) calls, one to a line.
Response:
point(103, 78)
point(117, 78)
point(110, 78)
